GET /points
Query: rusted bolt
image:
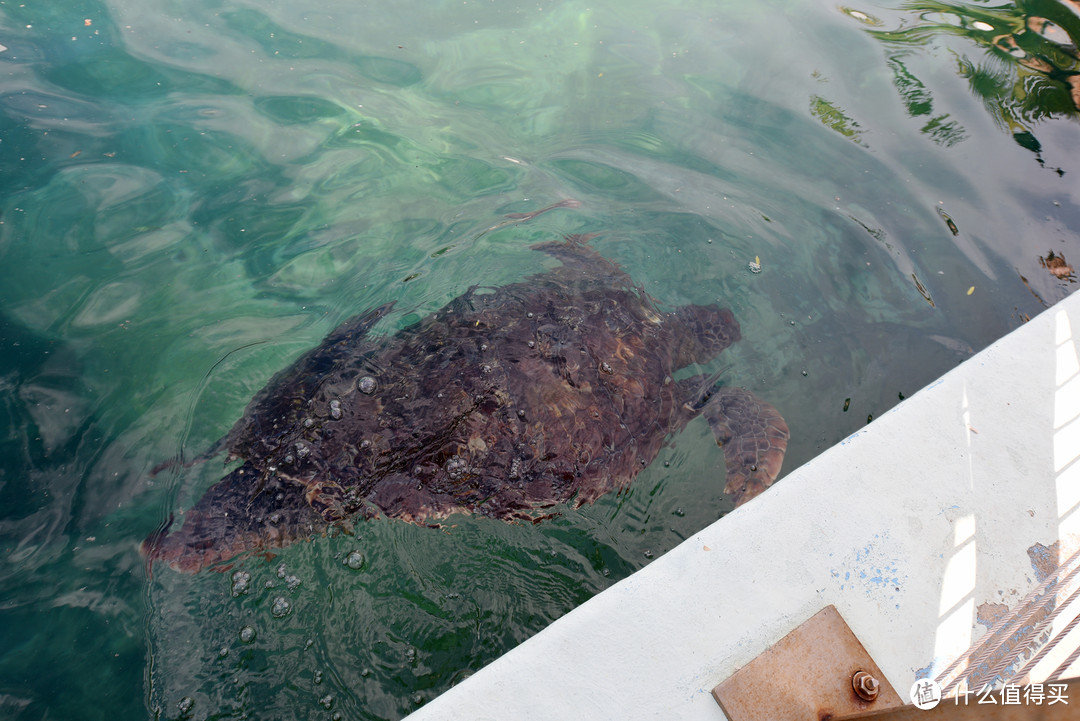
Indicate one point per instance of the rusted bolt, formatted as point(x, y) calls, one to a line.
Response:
point(866, 686)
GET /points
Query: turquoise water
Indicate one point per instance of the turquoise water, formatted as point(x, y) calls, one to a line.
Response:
point(195, 193)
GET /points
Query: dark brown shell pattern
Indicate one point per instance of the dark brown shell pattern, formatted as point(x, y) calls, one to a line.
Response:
point(507, 402)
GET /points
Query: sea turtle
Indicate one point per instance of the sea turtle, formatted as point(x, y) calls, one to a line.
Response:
point(507, 402)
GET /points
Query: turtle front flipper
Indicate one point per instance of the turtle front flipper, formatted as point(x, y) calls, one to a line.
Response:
point(754, 437)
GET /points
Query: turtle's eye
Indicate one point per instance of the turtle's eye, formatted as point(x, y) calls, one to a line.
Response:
point(703, 398)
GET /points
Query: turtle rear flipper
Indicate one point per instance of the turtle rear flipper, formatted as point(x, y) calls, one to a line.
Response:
point(754, 437)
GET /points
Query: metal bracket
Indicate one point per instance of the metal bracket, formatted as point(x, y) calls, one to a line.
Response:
point(817, 672)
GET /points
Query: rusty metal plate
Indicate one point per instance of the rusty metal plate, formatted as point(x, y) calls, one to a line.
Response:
point(806, 676)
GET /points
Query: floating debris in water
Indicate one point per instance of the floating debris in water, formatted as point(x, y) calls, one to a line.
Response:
point(754, 265)
point(1038, 297)
point(247, 634)
point(366, 385)
point(355, 560)
point(922, 290)
point(949, 222)
point(1058, 266)
point(335, 409)
point(862, 17)
point(847, 404)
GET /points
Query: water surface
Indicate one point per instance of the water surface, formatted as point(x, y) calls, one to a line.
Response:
point(196, 193)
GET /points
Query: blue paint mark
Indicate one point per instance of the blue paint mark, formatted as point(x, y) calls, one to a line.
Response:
point(928, 670)
point(850, 438)
point(877, 576)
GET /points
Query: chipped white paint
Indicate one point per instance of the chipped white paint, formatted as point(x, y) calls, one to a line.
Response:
point(907, 526)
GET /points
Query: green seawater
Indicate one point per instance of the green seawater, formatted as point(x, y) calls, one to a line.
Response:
point(194, 193)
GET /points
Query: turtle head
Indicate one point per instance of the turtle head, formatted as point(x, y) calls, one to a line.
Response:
point(243, 513)
point(706, 330)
